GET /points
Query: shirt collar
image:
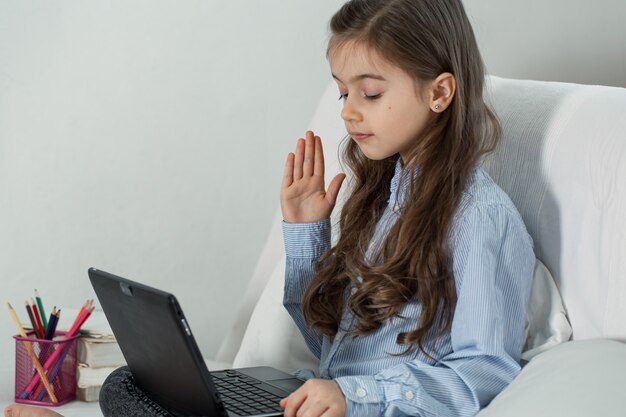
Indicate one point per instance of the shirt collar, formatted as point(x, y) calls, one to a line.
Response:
point(398, 186)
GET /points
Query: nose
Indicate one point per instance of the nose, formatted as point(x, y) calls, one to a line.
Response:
point(349, 112)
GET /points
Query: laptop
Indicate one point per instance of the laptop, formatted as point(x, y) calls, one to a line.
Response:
point(162, 354)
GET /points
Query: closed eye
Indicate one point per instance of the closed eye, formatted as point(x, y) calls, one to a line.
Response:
point(365, 96)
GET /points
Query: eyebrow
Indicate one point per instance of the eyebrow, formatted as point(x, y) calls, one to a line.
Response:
point(362, 76)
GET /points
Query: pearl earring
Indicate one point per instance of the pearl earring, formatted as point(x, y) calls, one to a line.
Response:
point(437, 106)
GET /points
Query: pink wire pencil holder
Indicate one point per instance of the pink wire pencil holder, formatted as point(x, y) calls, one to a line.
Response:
point(57, 358)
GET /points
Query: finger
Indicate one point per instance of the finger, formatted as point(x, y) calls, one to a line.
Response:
point(309, 154)
point(310, 409)
point(333, 189)
point(319, 157)
point(294, 401)
point(332, 412)
point(298, 160)
point(288, 172)
point(284, 403)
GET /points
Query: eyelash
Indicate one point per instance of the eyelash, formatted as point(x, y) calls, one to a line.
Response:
point(365, 96)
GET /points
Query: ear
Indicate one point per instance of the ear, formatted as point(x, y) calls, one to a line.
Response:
point(442, 91)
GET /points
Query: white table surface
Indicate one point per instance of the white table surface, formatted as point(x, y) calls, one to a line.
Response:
point(72, 409)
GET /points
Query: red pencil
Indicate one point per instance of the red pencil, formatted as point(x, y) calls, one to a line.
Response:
point(37, 318)
point(33, 322)
point(83, 308)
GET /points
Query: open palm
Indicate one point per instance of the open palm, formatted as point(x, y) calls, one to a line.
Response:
point(303, 196)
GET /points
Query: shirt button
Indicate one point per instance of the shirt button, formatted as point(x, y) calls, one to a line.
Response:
point(409, 395)
point(360, 392)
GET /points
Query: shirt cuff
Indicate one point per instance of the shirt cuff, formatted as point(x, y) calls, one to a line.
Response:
point(363, 398)
point(306, 240)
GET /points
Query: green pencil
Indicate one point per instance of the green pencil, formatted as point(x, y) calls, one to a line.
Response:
point(42, 313)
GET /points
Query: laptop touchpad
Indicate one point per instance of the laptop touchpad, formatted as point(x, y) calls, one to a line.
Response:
point(289, 384)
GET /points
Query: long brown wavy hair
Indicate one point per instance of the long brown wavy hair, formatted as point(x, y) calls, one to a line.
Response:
point(424, 38)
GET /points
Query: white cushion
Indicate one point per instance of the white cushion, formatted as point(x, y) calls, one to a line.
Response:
point(563, 163)
point(576, 379)
point(546, 321)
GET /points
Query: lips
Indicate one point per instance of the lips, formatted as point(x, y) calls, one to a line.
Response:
point(358, 136)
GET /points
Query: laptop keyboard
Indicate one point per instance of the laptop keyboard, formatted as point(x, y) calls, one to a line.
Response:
point(244, 395)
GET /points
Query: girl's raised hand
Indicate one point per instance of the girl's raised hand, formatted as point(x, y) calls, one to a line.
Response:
point(303, 197)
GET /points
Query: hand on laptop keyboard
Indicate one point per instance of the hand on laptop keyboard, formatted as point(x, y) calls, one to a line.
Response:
point(314, 398)
point(242, 394)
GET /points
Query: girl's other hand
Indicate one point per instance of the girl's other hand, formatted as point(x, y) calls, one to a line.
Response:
point(17, 410)
point(303, 197)
point(315, 398)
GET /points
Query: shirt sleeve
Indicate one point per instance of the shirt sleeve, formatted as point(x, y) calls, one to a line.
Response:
point(304, 244)
point(493, 263)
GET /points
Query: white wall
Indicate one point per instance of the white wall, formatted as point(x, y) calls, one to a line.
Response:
point(148, 137)
point(556, 40)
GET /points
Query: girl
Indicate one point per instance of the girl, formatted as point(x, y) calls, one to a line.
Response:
point(419, 308)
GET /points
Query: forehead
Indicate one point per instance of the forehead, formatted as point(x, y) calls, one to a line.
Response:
point(351, 59)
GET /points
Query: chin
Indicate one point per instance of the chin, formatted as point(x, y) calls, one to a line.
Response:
point(375, 156)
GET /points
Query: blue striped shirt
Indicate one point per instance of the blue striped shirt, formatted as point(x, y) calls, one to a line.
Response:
point(492, 263)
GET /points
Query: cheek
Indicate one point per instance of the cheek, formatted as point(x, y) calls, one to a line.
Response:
point(416, 115)
point(410, 124)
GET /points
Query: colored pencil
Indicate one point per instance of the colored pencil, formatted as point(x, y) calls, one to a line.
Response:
point(78, 322)
point(37, 318)
point(29, 310)
point(42, 313)
point(40, 372)
point(60, 353)
point(52, 324)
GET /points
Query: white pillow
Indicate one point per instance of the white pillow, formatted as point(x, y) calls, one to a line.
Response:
point(576, 379)
point(272, 338)
point(561, 161)
point(546, 320)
